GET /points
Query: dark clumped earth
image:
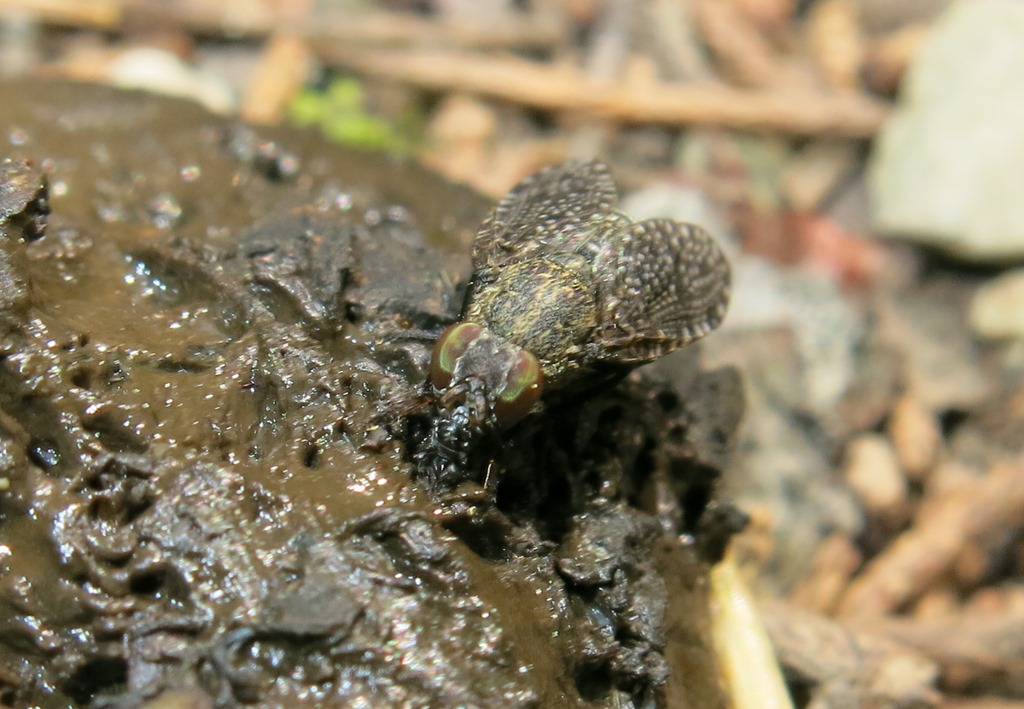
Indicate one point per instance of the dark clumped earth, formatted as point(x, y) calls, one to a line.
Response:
point(213, 343)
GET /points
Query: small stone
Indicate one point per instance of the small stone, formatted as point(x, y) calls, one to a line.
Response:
point(825, 326)
point(24, 199)
point(940, 358)
point(916, 436)
point(997, 310)
point(872, 470)
point(161, 71)
point(946, 167)
point(460, 136)
point(461, 118)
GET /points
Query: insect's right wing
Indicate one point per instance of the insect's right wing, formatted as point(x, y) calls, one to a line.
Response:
point(668, 284)
point(555, 209)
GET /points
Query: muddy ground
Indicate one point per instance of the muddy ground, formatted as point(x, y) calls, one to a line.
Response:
point(209, 339)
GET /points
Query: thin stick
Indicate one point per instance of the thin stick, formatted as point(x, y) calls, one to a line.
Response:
point(256, 18)
point(745, 654)
point(560, 88)
point(974, 652)
point(945, 525)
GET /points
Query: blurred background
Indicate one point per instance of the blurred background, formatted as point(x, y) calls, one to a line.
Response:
point(861, 162)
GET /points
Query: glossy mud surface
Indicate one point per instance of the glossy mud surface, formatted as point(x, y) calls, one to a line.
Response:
point(205, 490)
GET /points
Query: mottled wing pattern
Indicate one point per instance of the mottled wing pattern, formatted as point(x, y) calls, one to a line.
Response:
point(667, 285)
point(553, 210)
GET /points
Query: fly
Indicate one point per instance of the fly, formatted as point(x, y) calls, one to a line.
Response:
point(566, 292)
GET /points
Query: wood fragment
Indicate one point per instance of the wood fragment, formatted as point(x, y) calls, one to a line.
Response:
point(939, 601)
point(741, 51)
point(944, 525)
point(97, 14)
point(674, 41)
point(261, 18)
point(281, 72)
point(561, 88)
point(996, 601)
point(837, 42)
point(916, 436)
point(756, 544)
point(605, 59)
point(747, 659)
point(846, 665)
point(540, 30)
point(872, 471)
point(976, 561)
point(835, 561)
point(582, 12)
point(769, 16)
point(460, 141)
point(974, 651)
point(982, 703)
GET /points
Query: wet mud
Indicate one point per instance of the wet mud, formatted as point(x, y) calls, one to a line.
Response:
point(213, 340)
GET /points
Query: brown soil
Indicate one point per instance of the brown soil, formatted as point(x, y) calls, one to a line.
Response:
point(207, 352)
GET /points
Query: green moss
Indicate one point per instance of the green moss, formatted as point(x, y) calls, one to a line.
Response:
point(341, 114)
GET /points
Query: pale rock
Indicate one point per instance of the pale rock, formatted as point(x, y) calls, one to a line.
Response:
point(916, 436)
point(997, 310)
point(873, 472)
point(946, 168)
point(162, 72)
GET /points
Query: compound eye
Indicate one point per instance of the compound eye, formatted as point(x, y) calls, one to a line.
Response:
point(451, 345)
point(523, 387)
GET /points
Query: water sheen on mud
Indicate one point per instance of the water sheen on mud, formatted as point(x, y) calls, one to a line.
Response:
point(212, 342)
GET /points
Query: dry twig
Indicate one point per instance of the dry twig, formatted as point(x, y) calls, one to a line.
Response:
point(740, 49)
point(674, 42)
point(606, 56)
point(916, 436)
point(945, 525)
point(746, 657)
point(283, 68)
point(567, 89)
point(837, 42)
point(834, 563)
point(974, 651)
point(259, 18)
point(848, 666)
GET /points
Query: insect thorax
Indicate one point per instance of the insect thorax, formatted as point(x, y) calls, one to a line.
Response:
point(546, 306)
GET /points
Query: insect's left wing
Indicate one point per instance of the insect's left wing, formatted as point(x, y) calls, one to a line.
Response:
point(551, 210)
point(669, 286)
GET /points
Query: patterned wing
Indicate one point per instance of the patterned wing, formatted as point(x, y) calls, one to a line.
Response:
point(667, 285)
point(552, 210)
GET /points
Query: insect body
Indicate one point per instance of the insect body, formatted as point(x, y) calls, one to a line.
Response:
point(565, 292)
